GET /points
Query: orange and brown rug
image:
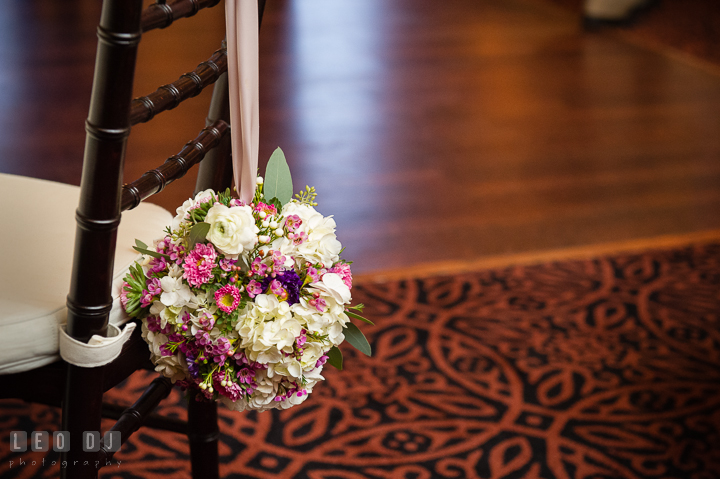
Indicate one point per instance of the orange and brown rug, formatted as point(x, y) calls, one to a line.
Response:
point(604, 368)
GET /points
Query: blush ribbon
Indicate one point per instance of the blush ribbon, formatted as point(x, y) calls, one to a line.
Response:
point(241, 22)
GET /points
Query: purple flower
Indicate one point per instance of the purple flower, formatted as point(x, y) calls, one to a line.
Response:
point(154, 287)
point(202, 338)
point(222, 346)
point(153, 324)
point(246, 376)
point(146, 299)
point(158, 265)
point(290, 282)
point(320, 362)
point(193, 367)
point(167, 349)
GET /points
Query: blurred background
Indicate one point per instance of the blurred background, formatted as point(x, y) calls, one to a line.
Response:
point(439, 134)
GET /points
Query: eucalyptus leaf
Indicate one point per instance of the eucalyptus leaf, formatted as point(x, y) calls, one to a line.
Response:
point(148, 252)
point(357, 316)
point(355, 337)
point(276, 202)
point(197, 234)
point(140, 244)
point(278, 181)
point(335, 358)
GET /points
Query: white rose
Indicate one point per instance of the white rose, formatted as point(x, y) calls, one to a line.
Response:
point(335, 334)
point(240, 405)
point(288, 367)
point(312, 351)
point(232, 230)
point(291, 401)
point(333, 285)
point(175, 292)
point(182, 211)
point(321, 245)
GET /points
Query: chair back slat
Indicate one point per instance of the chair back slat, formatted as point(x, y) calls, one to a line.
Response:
point(174, 167)
point(215, 172)
point(187, 86)
point(161, 14)
point(108, 126)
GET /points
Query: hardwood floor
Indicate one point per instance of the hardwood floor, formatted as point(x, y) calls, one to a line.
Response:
point(433, 131)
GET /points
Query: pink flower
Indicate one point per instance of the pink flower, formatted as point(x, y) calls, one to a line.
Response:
point(313, 273)
point(258, 268)
point(270, 210)
point(199, 264)
point(276, 287)
point(123, 295)
point(302, 339)
point(343, 270)
point(299, 238)
point(319, 304)
point(226, 264)
point(292, 223)
point(227, 298)
point(146, 299)
point(278, 260)
point(176, 252)
point(206, 320)
point(230, 390)
point(320, 362)
point(254, 288)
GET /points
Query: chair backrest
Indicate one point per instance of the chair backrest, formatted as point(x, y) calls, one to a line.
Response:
point(112, 113)
point(103, 198)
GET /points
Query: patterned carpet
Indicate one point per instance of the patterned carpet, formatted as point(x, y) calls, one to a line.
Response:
point(606, 368)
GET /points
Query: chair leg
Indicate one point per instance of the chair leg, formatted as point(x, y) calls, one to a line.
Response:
point(203, 434)
point(82, 412)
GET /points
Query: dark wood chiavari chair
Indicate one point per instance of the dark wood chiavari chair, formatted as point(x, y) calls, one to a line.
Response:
point(102, 199)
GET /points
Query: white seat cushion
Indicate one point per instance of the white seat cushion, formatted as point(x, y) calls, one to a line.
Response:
point(37, 240)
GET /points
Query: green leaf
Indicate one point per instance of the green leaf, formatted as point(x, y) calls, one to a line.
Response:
point(355, 337)
point(335, 357)
point(276, 202)
point(148, 252)
point(197, 234)
point(278, 181)
point(140, 244)
point(357, 316)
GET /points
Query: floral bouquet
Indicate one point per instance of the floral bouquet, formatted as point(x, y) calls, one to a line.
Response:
point(245, 303)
